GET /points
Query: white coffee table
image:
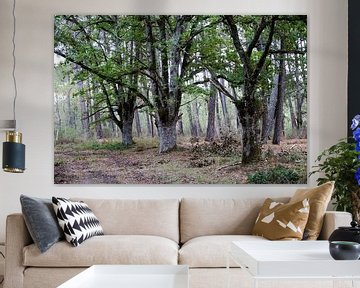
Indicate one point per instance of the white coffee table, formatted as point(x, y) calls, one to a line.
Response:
point(131, 276)
point(293, 260)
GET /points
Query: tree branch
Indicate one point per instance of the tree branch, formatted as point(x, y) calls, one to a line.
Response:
point(222, 88)
point(265, 53)
point(254, 41)
point(230, 22)
point(109, 106)
point(87, 68)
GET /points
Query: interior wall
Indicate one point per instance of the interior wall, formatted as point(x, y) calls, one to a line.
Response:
point(327, 54)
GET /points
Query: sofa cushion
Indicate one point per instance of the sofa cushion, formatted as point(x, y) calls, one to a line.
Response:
point(319, 198)
point(77, 220)
point(107, 249)
point(211, 251)
point(158, 217)
point(41, 221)
point(279, 221)
point(201, 217)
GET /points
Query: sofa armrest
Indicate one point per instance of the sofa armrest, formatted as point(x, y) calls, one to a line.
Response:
point(17, 237)
point(333, 220)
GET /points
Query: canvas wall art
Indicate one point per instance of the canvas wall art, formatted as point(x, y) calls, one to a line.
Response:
point(180, 99)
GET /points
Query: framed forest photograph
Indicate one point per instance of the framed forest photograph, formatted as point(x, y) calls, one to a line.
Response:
point(180, 99)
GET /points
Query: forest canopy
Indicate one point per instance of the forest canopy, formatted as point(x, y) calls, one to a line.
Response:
point(181, 78)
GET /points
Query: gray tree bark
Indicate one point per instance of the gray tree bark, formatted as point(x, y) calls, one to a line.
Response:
point(180, 127)
point(85, 124)
point(279, 110)
point(195, 109)
point(70, 112)
point(269, 115)
point(58, 124)
point(193, 128)
point(98, 126)
point(137, 123)
point(167, 136)
point(149, 125)
point(210, 131)
point(224, 108)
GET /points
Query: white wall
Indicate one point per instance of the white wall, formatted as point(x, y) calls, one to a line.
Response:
point(327, 89)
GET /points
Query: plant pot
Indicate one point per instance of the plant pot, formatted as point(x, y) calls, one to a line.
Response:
point(351, 233)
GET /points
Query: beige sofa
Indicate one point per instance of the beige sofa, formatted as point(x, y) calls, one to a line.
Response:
point(194, 232)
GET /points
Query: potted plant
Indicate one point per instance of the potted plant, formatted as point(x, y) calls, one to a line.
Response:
point(341, 163)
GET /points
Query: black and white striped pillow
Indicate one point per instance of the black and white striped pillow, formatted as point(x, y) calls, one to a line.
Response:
point(77, 220)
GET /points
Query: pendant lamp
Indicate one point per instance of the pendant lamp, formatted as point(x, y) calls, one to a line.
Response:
point(13, 149)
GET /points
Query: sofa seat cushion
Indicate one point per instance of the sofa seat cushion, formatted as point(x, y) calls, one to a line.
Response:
point(107, 249)
point(211, 251)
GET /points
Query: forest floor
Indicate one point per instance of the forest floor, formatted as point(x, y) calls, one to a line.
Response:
point(191, 163)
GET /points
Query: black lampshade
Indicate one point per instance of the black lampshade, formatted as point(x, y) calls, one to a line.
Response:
point(13, 153)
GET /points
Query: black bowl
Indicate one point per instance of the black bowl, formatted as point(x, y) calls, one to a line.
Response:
point(344, 250)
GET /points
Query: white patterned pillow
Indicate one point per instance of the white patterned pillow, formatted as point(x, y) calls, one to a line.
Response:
point(77, 220)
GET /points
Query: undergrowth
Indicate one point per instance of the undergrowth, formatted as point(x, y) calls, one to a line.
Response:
point(278, 175)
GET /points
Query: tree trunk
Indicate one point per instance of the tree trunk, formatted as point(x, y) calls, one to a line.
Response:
point(250, 137)
point(210, 131)
point(98, 126)
point(70, 111)
point(238, 127)
point(193, 128)
point(137, 123)
point(279, 111)
point(97, 115)
point(149, 125)
point(58, 125)
point(250, 112)
point(180, 127)
point(218, 116)
point(300, 97)
point(268, 117)
point(292, 117)
point(113, 129)
point(195, 109)
point(126, 132)
point(84, 118)
point(126, 112)
point(224, 108)
point(167, 135)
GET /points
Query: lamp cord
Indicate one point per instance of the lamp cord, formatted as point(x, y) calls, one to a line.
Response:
point(14, 60)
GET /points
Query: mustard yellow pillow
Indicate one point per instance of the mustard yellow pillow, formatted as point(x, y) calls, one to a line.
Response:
point(319, 198)
point(279, 221)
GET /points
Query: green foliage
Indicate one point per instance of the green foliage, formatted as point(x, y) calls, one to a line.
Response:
point(111, 145)
point(70, 135)
point(278, 175)
point(110, 53)
point(339, 163)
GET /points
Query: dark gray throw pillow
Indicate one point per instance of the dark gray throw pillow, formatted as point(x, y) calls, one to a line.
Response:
point(41, 221)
